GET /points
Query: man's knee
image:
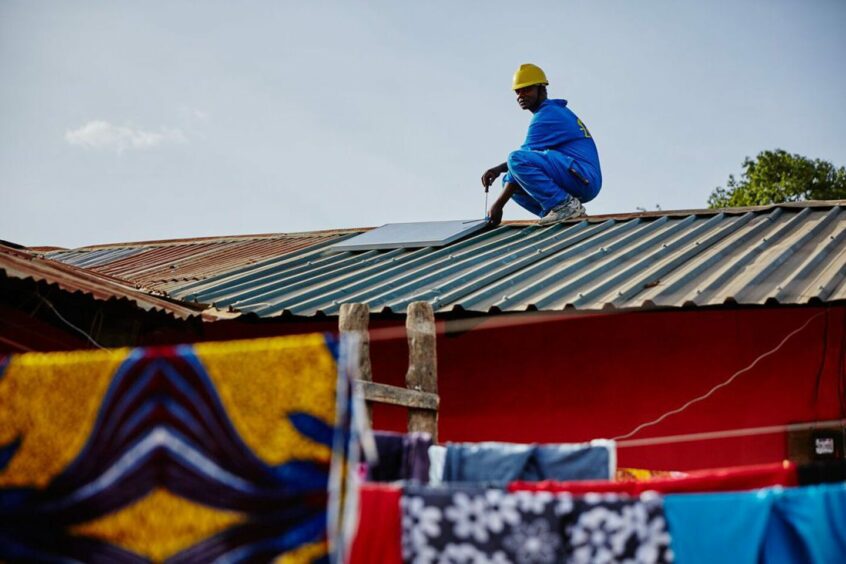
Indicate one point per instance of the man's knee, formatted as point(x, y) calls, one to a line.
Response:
point(517, 159)
point(520, 162)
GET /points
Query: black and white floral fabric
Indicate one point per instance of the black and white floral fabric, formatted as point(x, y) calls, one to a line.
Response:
point(491, 526)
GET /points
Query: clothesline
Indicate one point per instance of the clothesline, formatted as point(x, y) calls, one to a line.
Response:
point(729, 433)
point(500, 322)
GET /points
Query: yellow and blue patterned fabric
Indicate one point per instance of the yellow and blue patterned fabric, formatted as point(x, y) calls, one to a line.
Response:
point(193, 453)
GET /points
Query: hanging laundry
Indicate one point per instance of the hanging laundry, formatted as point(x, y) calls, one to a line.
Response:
point(644, 474)
point(379, 532)
point(506, 462)
point(472, 524)
point(808, 525)
point(804, 524)
point(716, 480)
point(401, 457)
point(437, 460)
point(188, 453)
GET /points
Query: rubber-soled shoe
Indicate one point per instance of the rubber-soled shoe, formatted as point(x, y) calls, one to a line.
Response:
point(570, 208)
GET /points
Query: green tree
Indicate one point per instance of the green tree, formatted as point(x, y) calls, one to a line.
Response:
point(778, 176)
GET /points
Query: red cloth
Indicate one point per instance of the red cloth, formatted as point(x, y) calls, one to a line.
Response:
point(379, 534)
point(736, 478)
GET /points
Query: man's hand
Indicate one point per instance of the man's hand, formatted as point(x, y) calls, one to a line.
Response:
point(495, 215)
point(492, 174)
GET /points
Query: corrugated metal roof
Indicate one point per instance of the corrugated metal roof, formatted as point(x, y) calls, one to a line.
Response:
point(16, 263)
point(788, 254)
point(161, 266)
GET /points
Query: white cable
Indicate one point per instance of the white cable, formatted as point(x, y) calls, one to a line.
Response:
point(710, 392)
point(71, 325)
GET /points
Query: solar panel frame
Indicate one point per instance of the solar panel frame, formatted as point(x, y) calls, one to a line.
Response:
point(411, 235)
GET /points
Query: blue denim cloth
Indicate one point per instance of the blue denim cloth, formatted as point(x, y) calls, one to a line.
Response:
point(501, 463)
point(806, 524)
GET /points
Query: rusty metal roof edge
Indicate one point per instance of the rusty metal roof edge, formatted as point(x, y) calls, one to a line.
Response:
point(24, 265)
point(218, 239)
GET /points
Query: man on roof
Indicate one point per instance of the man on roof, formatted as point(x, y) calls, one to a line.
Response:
point(557, 167)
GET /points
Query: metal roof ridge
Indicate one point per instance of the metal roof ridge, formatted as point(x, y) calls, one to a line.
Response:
point(215, 239)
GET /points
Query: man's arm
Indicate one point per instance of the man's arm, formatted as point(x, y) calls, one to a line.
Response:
point(492, 174)
point(495, 213)
point(488, 177)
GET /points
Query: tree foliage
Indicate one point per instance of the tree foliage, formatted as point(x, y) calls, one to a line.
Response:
point(778, 176)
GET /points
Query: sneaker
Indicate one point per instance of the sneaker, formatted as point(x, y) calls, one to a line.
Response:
point(571, 207)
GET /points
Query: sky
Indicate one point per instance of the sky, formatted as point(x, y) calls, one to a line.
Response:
point(131, 121)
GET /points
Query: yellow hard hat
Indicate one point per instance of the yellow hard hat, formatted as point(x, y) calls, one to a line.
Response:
point(528, 75)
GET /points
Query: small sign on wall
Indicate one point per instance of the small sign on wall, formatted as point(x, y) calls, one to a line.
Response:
point(807, 445)
point(826, 444)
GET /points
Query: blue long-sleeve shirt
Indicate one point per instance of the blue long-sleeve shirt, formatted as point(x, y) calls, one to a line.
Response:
point(554, 127)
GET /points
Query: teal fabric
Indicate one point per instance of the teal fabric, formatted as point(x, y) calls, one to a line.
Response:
point(806, 524)
point(809, 525)
point(718, 527)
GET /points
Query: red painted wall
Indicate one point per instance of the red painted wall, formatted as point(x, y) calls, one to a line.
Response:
point(600, 376)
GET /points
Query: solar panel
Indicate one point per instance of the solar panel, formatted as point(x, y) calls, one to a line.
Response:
point(411, 235)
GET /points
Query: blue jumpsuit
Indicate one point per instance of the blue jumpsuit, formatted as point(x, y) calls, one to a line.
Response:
point(558, 158)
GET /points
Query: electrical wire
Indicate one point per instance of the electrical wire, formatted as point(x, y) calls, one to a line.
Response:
point(821, 370)
point(723, 384)
point(69, 324)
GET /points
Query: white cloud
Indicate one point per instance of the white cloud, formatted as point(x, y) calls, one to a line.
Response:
point(100, 134)
point(192, 114)
point(200, 114)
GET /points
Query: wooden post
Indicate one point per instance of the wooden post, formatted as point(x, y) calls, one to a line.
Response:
point(422, 372)
point(354, 318)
